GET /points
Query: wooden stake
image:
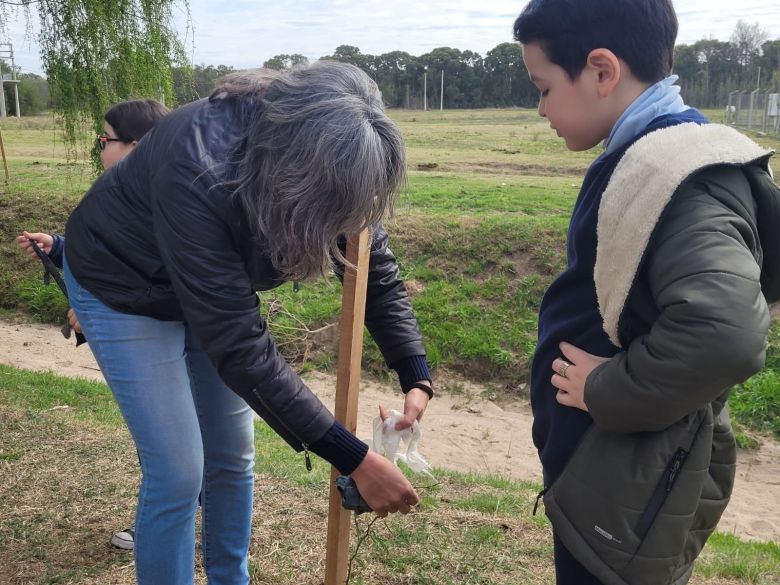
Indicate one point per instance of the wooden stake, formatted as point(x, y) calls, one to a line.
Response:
point(353, 311)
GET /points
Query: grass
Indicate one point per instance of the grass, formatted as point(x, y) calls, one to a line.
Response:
point(479, 234)
point(756, 403)
point(506, 226)
point(68, 478)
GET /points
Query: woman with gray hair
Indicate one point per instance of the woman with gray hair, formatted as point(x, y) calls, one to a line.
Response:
point(254, 186)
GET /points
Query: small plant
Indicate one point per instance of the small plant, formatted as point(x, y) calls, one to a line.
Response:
point(756, 403)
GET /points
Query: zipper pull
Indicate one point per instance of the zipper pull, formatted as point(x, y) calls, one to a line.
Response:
point(675, 468)
point(538, 497)
point(306, 456)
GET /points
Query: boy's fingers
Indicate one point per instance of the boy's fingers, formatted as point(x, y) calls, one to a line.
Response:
point(563, 370)
point(560, 382)
point(564, 398)
point(572, 352)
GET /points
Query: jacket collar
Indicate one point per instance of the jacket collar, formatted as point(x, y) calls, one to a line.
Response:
point(641, 186)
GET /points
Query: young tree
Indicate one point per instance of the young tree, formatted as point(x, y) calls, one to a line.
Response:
point(747, 40)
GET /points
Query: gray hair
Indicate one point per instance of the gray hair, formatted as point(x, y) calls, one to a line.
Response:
point(321, 159)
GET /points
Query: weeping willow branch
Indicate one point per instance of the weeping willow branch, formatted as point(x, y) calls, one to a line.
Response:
point(96, 53)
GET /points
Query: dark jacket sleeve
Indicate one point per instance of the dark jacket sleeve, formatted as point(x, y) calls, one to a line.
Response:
point(221, 308)
point(57, 246)
point(389, 315)
point(711, 332)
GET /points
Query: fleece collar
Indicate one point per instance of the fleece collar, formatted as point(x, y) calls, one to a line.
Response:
point(643, 183)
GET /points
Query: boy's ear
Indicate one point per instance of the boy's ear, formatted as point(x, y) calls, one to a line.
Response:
point(606, 70)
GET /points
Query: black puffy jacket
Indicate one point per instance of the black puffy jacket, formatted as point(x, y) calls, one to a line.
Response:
point(157, 235)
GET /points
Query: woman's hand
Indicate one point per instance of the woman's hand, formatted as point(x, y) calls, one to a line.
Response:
point(415, 403)
point(44, 242)
point(383, 486)
point(571, 374)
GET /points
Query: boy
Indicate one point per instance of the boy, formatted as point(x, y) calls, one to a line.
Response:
point(662, 307)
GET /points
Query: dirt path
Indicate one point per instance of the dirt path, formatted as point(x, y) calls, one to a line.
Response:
point(463, 432)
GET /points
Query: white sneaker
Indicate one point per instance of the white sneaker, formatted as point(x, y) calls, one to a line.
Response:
point(123, 539)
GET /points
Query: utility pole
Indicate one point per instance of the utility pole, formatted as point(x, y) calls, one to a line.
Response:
point(3, 113)
point(425, 90)
point(9, 53)
point(441, 103)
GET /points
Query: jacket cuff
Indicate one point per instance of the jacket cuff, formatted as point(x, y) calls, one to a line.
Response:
point(341, 449)
point(57, 247)
point(411, 370)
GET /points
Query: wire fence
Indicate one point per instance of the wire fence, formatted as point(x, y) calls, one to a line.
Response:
point(754, 110)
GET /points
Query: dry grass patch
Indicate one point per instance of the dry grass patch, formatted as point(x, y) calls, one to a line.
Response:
point(68, 478)
point(64, 488)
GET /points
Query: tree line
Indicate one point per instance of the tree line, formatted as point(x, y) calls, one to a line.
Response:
point(709, 69)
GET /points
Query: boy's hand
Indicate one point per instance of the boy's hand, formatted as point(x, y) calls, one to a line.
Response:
point(44, 242)
point(571, 373)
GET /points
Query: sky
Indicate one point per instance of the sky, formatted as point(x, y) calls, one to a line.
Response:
point(245, 33)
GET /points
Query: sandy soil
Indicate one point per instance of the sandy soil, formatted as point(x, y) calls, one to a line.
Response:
point(463, 432)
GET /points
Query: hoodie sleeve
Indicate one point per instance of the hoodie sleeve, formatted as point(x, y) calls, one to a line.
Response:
point(57, 247)
point(703, 269)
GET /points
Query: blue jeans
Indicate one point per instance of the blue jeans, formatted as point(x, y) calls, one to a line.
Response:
point(193, 435)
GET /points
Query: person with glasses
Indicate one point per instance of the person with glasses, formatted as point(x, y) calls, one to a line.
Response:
point(124, 125)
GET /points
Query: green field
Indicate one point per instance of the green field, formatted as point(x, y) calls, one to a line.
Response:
point(479, 232)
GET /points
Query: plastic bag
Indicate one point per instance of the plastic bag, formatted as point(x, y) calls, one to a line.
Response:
point(387, 442)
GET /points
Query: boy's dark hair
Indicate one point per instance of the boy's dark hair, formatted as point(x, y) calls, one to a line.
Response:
point(640, 32)
point(134, 118)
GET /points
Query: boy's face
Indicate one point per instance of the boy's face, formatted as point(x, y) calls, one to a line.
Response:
point(573, 108)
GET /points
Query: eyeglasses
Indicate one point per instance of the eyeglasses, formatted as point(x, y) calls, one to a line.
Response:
point(102, 140)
